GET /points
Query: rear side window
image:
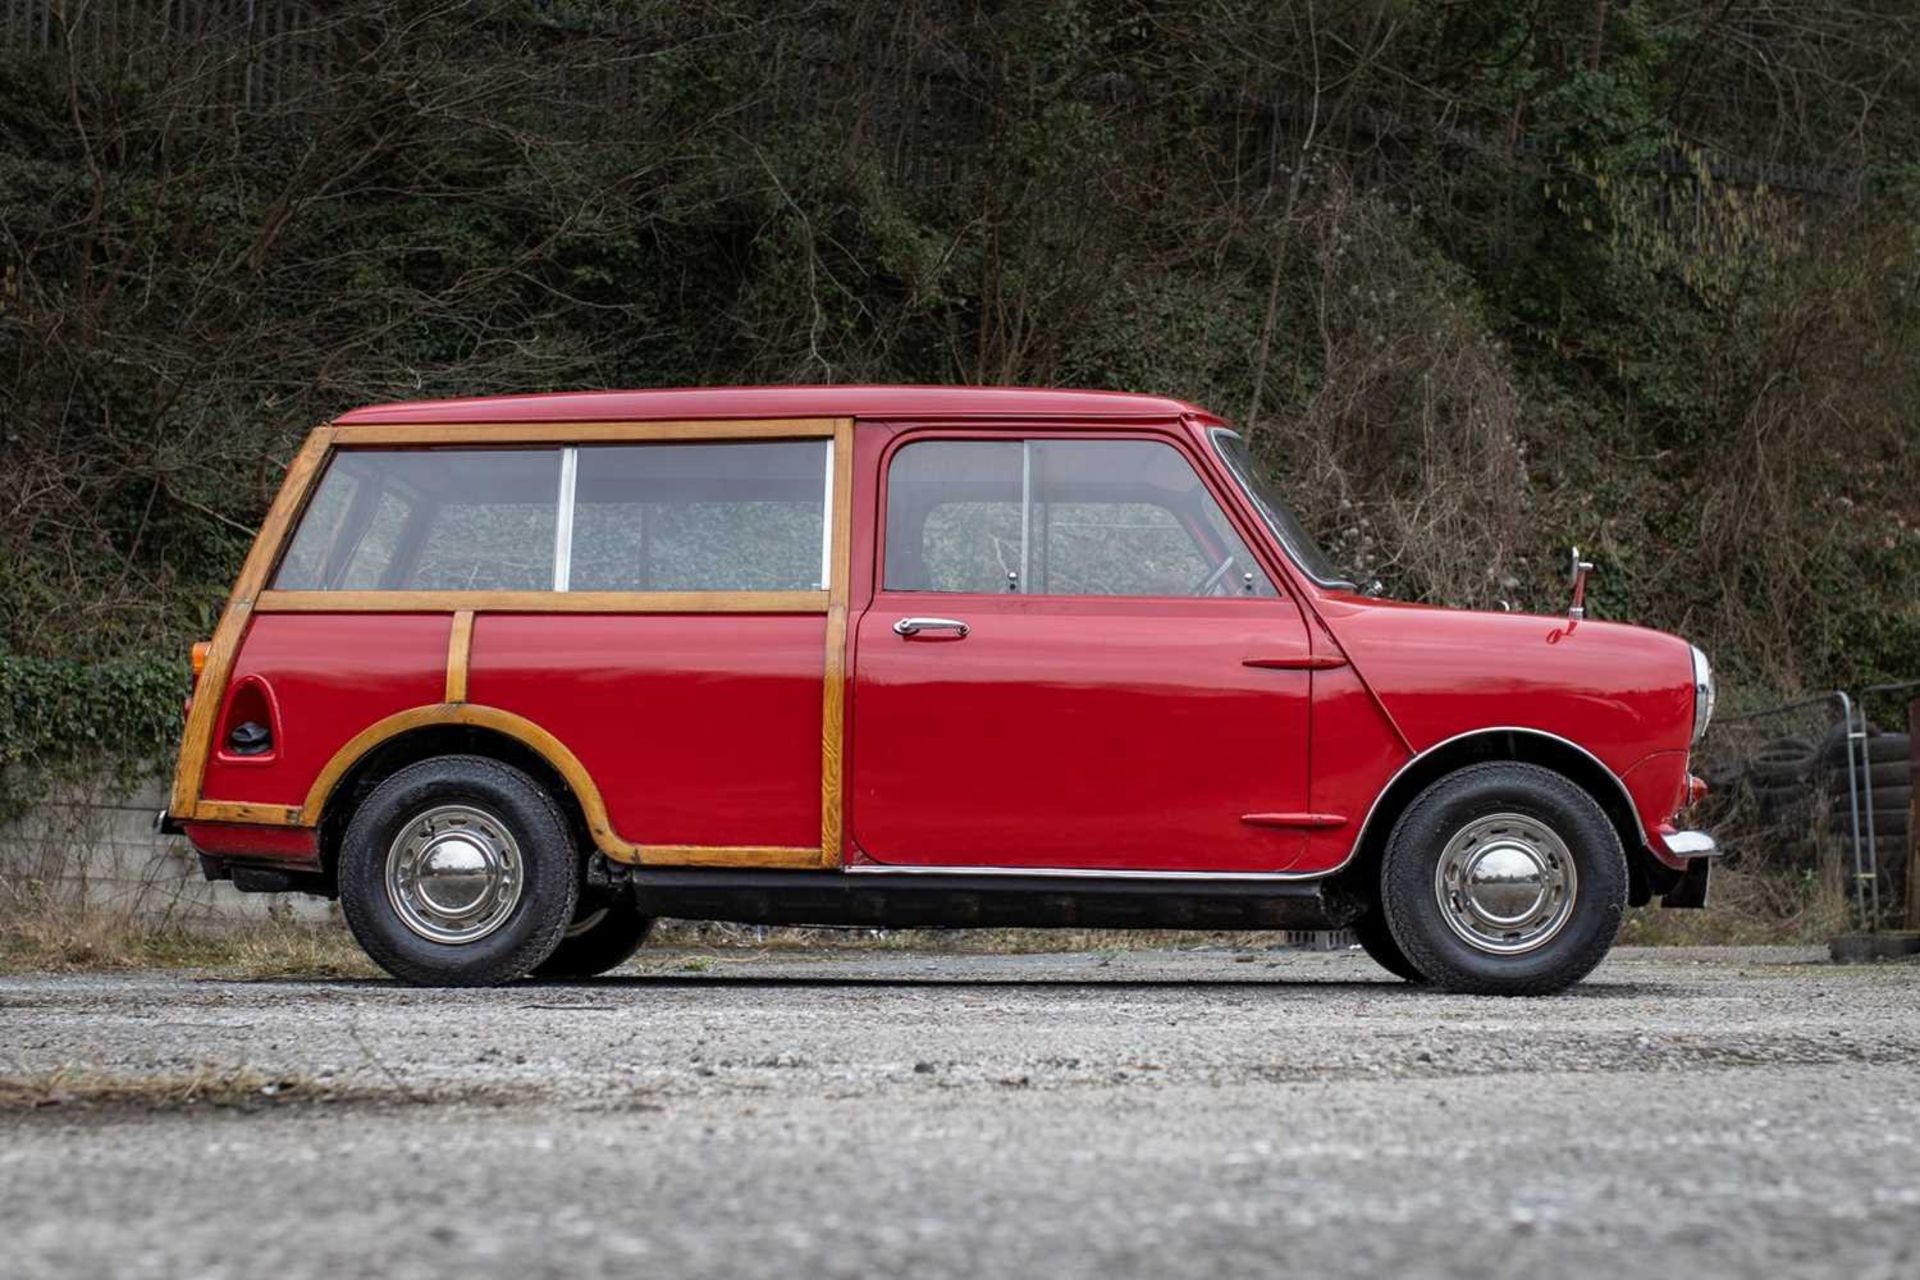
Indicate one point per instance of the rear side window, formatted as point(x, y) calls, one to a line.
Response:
point(429, 520)
point(1060, 517)
point(707, 516)
point(735, 516)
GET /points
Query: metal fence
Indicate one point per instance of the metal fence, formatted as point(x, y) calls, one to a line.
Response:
point(1815, 788)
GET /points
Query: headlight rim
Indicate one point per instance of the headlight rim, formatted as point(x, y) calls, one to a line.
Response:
point(1703, 693)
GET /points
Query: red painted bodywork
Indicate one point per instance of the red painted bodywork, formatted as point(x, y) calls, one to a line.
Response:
point(1137, 735)
point(698, 729)
point(295, 846)
point(330, 676)
point(868, 404)
point(1079, 733)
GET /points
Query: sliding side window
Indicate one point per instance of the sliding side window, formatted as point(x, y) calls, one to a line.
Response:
point(720, 516)
point(1060, 517)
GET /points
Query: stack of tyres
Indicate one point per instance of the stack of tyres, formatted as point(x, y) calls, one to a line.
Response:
point(1887, 779)
point(1780, 776)
point(1882, 786)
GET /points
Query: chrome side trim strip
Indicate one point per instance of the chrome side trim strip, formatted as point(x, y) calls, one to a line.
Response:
point(1352, 850)
point(1077, 873)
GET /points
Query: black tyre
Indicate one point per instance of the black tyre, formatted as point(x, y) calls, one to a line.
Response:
point(1887, 773)
point(1785, 798)
point(603, 935)
point(1377, 941)
point(458, 872)
point(1878, 748)
point(1504, 879)
point(1884, 798)
point(1888, 824)
point(1889, 747)
point(1782, 760)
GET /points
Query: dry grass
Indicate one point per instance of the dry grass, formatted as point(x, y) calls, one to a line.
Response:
point(64, 941)
point(70, 1088)
point(1747, 907)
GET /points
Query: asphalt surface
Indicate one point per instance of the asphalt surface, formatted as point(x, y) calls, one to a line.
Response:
point(1168, 1113)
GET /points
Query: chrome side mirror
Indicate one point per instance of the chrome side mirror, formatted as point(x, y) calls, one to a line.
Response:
point(1577, 573)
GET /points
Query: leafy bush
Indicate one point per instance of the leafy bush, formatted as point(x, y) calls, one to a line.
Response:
point(59, 716)
point(1479, 280)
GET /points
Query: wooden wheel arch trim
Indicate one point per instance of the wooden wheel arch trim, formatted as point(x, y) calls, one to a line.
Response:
point(562, 761)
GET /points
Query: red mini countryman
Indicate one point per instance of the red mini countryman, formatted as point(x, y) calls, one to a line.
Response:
point(514, 677)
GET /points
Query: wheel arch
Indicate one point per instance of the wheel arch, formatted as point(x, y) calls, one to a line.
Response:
point(1510, 743)
point(422, 733)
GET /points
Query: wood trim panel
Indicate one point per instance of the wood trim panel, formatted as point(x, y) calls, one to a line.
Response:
point(196, 738)
point(459, 653)
point(773, 857)
point(833, 696)
point(492, 433)
point(257, 815)
point(542, 601)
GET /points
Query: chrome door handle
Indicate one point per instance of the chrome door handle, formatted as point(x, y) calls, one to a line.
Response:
point(914, 626)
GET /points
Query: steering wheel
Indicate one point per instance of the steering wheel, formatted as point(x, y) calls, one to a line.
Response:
point(1211, 583)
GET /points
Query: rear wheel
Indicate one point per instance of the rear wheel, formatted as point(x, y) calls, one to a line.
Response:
point(603, 935)
point(1377, 941)
point(1503, 879)
point(458, 871)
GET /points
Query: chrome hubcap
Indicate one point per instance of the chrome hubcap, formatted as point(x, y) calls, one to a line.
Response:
point(454, 874)
point(1506, 884)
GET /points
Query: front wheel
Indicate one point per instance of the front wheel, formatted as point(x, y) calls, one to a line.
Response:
point(1503, 879)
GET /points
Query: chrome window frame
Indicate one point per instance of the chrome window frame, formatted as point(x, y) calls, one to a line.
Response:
point(1244, 485)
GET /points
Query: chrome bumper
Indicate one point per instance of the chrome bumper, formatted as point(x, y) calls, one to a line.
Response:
point(1690, 844)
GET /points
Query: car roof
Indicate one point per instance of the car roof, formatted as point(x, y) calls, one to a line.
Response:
point(699, 403)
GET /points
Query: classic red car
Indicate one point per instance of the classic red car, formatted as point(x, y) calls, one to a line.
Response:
point(513, 677)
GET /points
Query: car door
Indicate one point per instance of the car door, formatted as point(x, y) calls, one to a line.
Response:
point(1073, 661)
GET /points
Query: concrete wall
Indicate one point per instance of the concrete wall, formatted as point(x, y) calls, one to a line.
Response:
point(94, 846)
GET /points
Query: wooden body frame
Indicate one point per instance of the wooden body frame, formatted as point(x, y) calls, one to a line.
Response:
point(250, 595)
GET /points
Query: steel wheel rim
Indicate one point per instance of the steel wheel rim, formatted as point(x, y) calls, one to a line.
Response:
point(454, 874)
point(586, 923)
point(1506, 884)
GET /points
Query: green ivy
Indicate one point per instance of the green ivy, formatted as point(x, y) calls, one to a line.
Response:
point(62, 718)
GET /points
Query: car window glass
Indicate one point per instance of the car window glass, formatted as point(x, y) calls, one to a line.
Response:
point(1060, 517)
point(732, 516)
point(429, 519)
point(953, 516)
point(320, 534)
point(373, 557)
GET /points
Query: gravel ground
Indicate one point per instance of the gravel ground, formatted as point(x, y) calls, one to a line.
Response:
point(1198, 1113)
